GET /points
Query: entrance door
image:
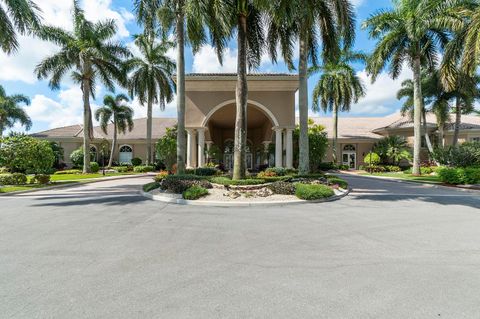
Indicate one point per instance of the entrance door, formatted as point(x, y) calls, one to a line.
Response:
point(125, 154)
point(350, 159)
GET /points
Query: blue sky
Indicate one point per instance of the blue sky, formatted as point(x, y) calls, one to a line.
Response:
point(51, 109)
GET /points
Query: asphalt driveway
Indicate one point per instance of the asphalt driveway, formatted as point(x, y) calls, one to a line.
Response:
point(389, 250)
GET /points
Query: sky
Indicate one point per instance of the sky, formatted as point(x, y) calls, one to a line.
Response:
point(50, 109)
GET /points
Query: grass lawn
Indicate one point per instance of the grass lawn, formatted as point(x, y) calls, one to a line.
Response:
point(74, 177)
point(9, 189)
point(433, 179)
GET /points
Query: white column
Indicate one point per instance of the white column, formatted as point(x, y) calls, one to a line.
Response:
point(289, 160)
point(266, 145)
point(201, 146)
point(278, 147)
point(191, 148)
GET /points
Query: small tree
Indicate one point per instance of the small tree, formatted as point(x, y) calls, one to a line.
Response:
point(58, 152)
point(22, 153)
point(392, 149)
point(166, 148)
point(317, 144)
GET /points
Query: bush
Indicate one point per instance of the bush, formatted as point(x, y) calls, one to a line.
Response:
point(22, 153)
point(392, 168)
point(94, 167)
point(68, 172)
point(455, 176)
point(77, 157)
point(334, 180)
point(326, 166)
point(374, 169)
point(13, 179)
point(226, 181)
point(371, 159)
point(166, 148)
point(143, 169)
point(121, 169)
point(136, 161)
point(472, 175)
point(160, 176)
point(423, 170)
point(205, 171)
point(195, 192)
point(4, 170)
point(42, 179)
point(282, 188)
point(150, 186)
point(343, 167)
point(265, 174)
point(179, 183)
point(279, 171)
point(464, 155)
point(313, 191)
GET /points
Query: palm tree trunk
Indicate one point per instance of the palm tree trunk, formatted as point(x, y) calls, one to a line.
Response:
point(239, 164)
point(458, 121)
point(303, 159)
point(441, 134)
point(425, 132)
point(417, 115)
point(114, 142)
point(149, 128)
point(335, 133)
point(87, 119)
point(181, 141)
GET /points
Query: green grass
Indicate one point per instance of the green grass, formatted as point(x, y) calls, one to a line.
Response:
point(433, 179)
point(18, 188)
point(74, 177)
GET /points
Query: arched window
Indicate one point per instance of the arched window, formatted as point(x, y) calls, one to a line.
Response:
point(125, 154)
point(349, 147)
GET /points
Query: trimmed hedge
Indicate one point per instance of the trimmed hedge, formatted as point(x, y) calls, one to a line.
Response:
point(13, 179)
point(179, 183)
point(122, 169)
point(226, 181)
point(68, 172)
point(313, 191)
point(160, 176)
point(205, 171)
point(282, 188)
point(136, 161)
point(195, 192)
point(41, 179)
point(455, 176)
point(150, 186)
point(94, 167)
point(279, 171)
point(143, 169)
point(373, 168)
point(392, 168)
point(371, 159)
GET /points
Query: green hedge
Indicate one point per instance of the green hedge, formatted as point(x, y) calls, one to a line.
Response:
point(41, 179)
point(143, 169)
point(226, 181)
point(136, 161)
point(282, 188)
point(313, 191)
point(150, 186)
point(195, 192)
point(179, 183)
point(122, 169)
point(13, 179)
point(94, 167)
point(455, 176)
point(68, 172)
point(334, 180)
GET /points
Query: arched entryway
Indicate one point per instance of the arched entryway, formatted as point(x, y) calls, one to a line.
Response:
point(349, 156)
point(125, 154)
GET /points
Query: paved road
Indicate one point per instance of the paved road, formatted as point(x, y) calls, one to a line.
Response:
point(101, 251)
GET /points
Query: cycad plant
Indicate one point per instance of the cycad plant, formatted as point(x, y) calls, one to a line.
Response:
point(17, 17)
point(11, 111)
point(115, 111)
point(392, 149)
point(90, 55)
point(150, 79)
point(338, 88)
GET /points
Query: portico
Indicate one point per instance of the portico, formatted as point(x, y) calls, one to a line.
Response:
point(210, 118)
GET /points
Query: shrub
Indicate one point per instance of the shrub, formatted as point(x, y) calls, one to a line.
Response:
point(423, 170)
point(21, 153)
point(374, 169)
point(94, 167)
point(121, 169)
point(4, 170)
point(13, 179)
point(279, 171)
point(271, 179)
point(311, 176)
point(334, 180)
point(343, 167)
point(371, 159)
point(205, 171)
point(195, 192)
point(68, 171)
point(150, 186)
point(77, 157)
point(282, 188)
point(160, 176)
point(179, 183)
point(464, 155)
point(472, 175)
point(136, 161)
point(392, 168)
point(143, 169)
point(42, 179)
point(452, 175)
point(265, 174)
point(226, 181)
point(326, 166)
point(166, 148)
point(313, 191)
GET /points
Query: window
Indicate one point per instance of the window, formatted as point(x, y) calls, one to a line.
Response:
point(349, 147)
point(125, 154)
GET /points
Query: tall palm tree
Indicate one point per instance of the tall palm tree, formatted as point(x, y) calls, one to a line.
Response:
point(151, 78)
point(90, 55)
point(184, 18)
point(411, 32)
point(116, 112)
point(338, 87)
point(311, 23)
point(11, 112)
point(17, 16)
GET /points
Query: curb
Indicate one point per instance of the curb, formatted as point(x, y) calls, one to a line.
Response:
point(398, 180)
point(181, 201)
point(74, 183)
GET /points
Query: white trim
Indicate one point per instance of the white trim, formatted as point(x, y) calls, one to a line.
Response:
point(260, 106)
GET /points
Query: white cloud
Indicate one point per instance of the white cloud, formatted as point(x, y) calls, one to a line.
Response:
point(205, 61)
point(140, 111)
point(357, 3)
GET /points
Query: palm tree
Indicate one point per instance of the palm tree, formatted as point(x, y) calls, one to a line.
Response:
point(394, 148)
point(17, 16)
point(184, 17)
point(115, 111)
point(11, 112)
point(151, 79)
point(90, 55)
point(309, 22)
point(411, 32)
point(338, 87)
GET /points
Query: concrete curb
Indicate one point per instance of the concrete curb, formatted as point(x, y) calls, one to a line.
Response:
point(75, 183)
point(181, 201)
point(398, 180)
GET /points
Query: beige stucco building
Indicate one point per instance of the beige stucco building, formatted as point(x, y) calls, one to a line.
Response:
point(210, 118)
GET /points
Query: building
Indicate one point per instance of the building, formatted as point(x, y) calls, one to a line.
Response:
point(210, 118)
